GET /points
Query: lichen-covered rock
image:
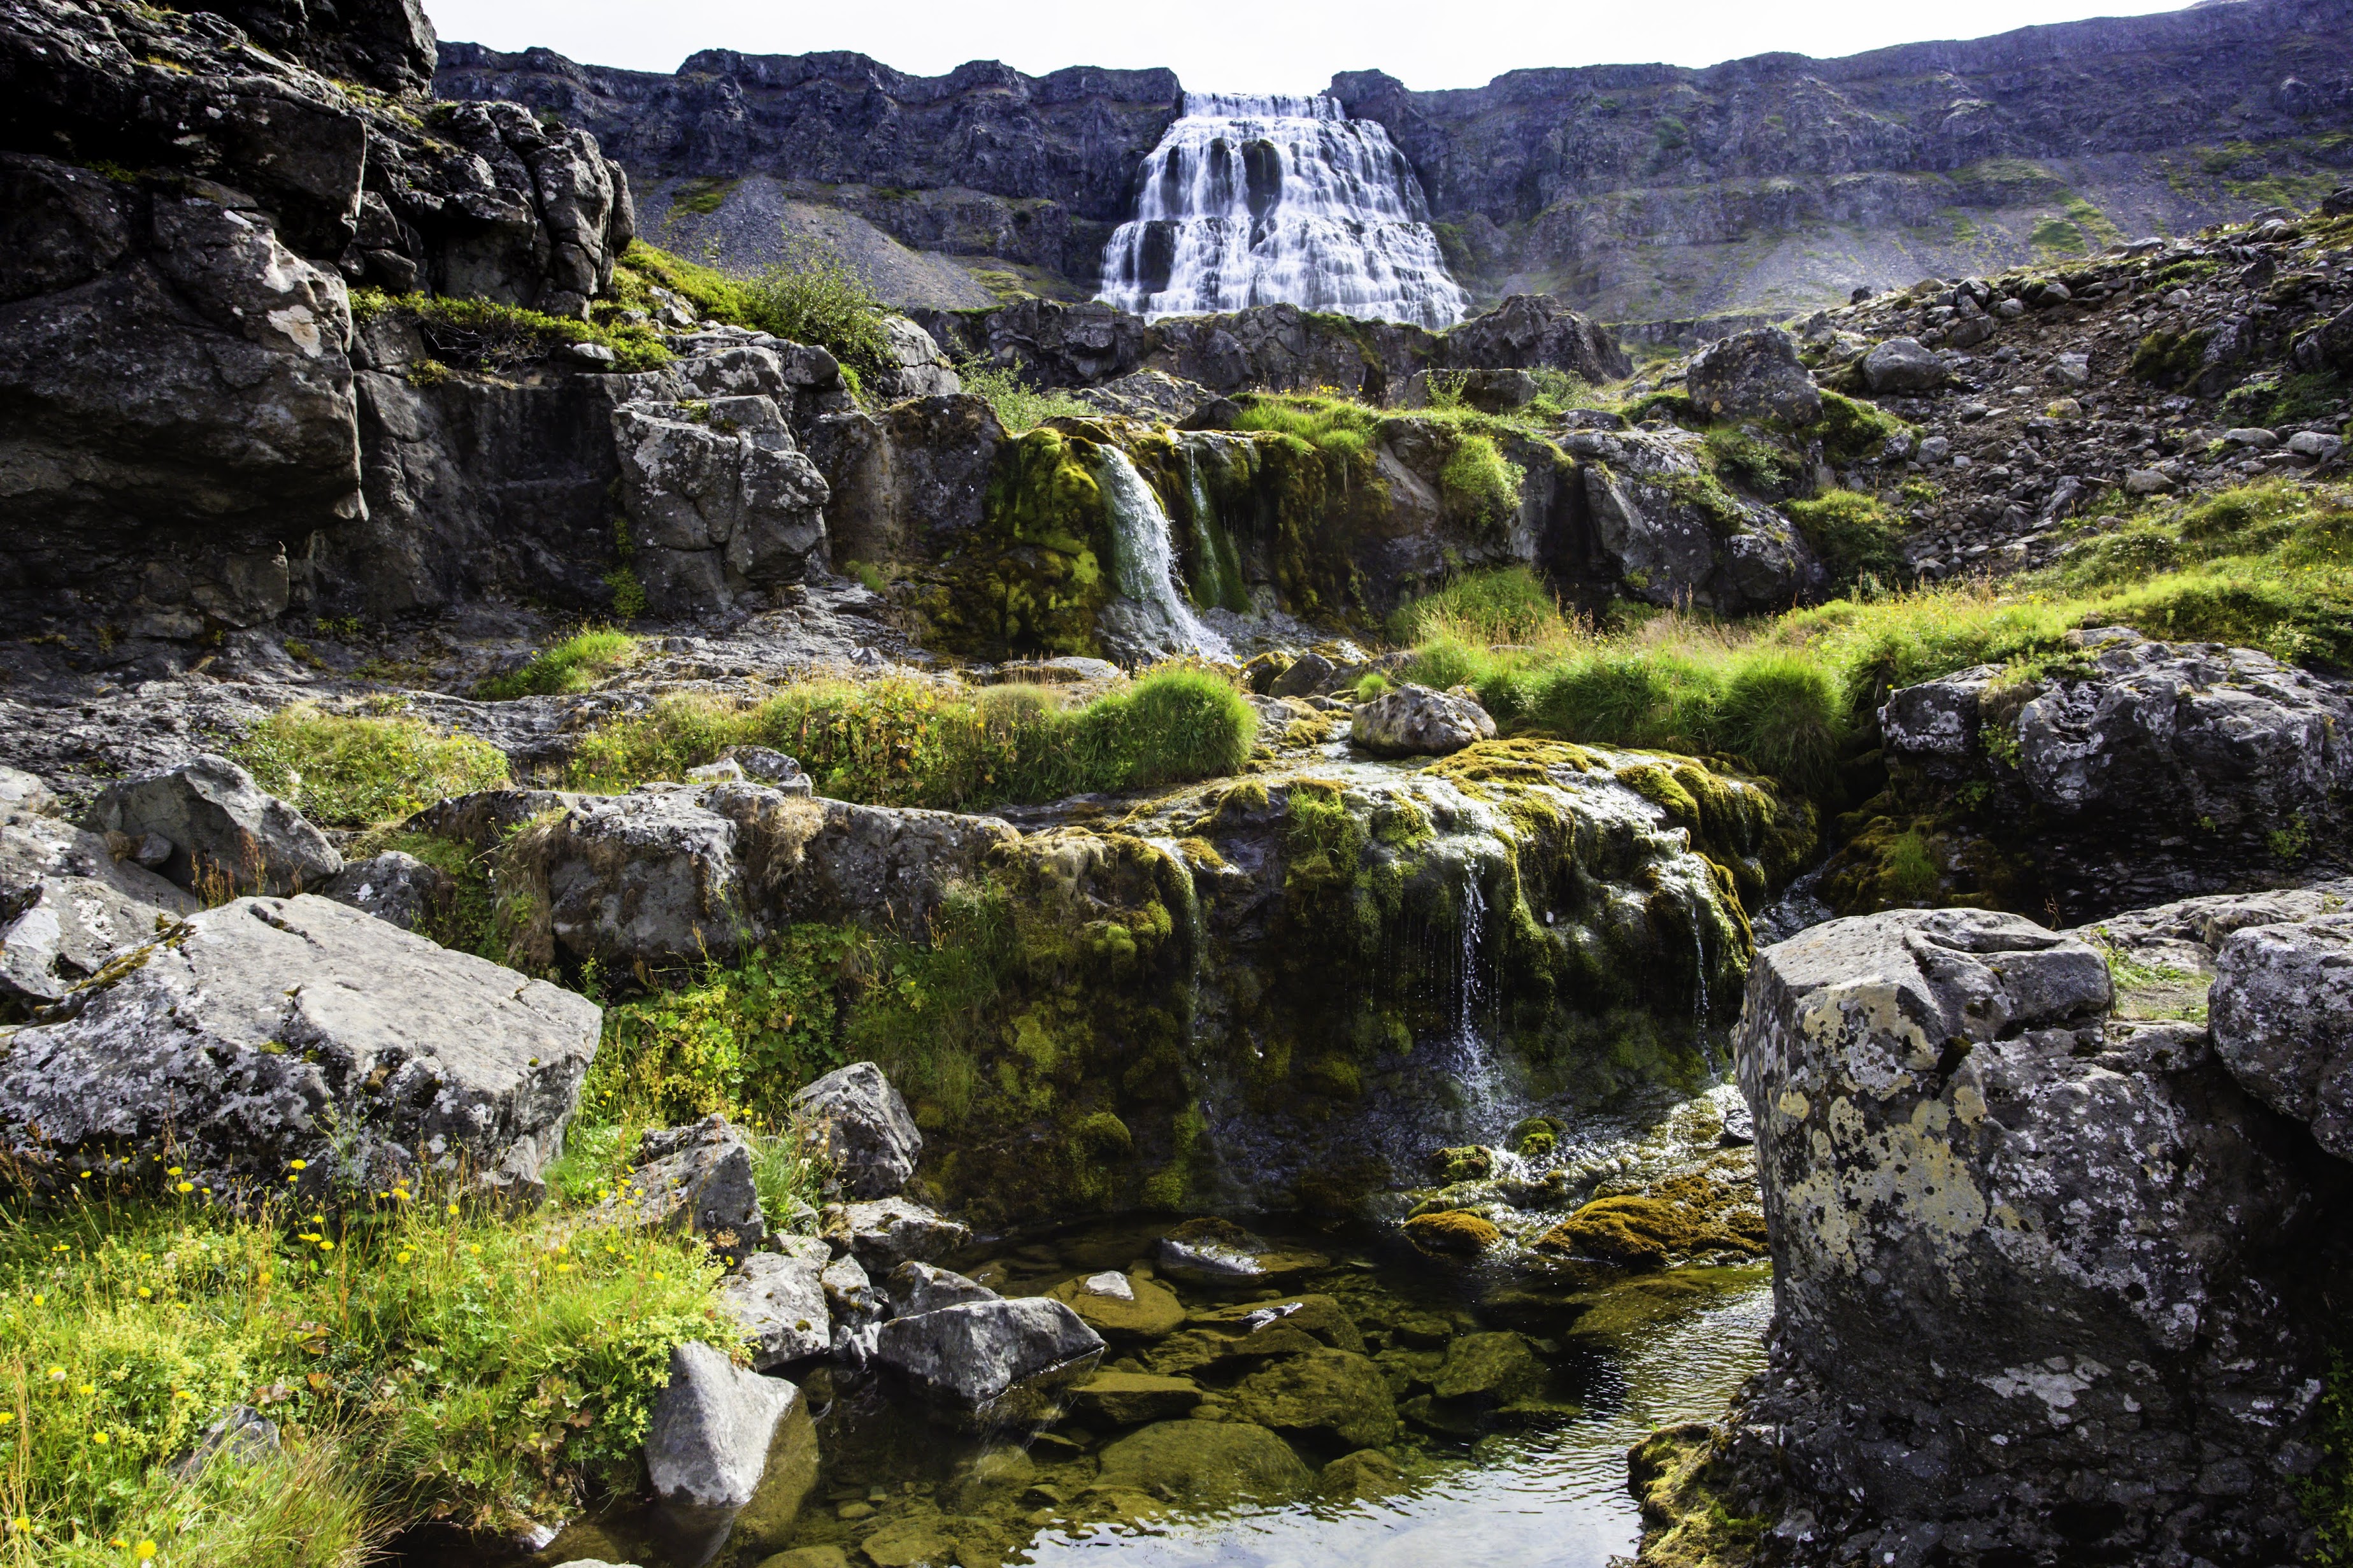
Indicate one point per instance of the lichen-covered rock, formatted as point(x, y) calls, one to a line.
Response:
point(2038, 1290)
point(869, 1141)
point(1755, 376)
point(68, 907)
point(1414, 721)
point(917, 1287)
point(392, 886)
point(224, 832)
point(2281, 1011)
point(270, 1030)
point(729, 1449)
point(992, 1363)
point(721, 500)
point(917, 368)
point(779, 1300)
point(887, 1231)
point(695, 1180)
point(1669, 532)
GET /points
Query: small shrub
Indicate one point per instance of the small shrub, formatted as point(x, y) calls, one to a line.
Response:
point(352, 771)
point(574, 664)
point(1479, 481)
point(1018, 406)
point(813, 297)
point(1855, 535)
point(1757, 466)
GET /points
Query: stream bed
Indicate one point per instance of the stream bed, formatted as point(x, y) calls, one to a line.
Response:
point(1518, 1388)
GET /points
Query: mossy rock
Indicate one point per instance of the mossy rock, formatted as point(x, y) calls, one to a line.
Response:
point(1206, 1464)
point(1149, 1310)
point(1492, 1369)
point(1679, 1218)
point(1899, 859)
point(1034, 577)
point(1321, 1318)
point(1683, 1483)
point(1468, 1163)
point(1367, 1473)
point(1453, 1231)
point(1132, 1398)
point(1324, 1393)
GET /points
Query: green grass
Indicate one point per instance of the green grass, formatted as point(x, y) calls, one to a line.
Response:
point(1856, 537)
point(2264, 566)
point(420, 1363)
point(495, 338)
point(354, 771)
point(913, 743)
point(1510, 604)
point(574, 664)
point(2328, 1492)
point(810, 297)
point(1019, 405)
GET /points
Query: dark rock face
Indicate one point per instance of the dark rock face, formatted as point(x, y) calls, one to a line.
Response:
point(1755, 376)
point(183, 433)
point(1044, 167)
point(2136, 772)
point(1962, 1155)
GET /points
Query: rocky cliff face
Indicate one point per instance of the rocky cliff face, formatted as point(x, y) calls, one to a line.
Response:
point(1640, 192)
point(984, 162)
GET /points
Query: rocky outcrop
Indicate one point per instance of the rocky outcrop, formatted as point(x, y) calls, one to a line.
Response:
point(1983, 1348)
point(2282, 1012)
point(2129, 772)
point(1669, 532)
point(869, 1143)
point(271, 1030)
point(1274, 348)
point(721, 500)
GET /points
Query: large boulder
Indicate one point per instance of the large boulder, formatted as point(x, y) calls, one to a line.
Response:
point(1902, 366)
point(916, 367)
point(917, 1288)
point(992, 1363)
point(1414, 721)
point(2043, 1279)
point(2282, 1016)
point(224, 835)
point(869, 1142)
point(68, 907)
point(730, 1451)
point(721, 501)
point(1671, 534)
point(1755, 376)
point(271, 1030)
point(1535, 332)
point(887, 1231)
point(392, 887)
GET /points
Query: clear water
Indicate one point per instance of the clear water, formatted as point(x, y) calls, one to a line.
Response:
point(1263, 200)
point(1546, 1500)
point(1157, 620)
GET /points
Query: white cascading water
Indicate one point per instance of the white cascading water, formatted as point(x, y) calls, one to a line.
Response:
point(1263, 201)
point(1157, 620)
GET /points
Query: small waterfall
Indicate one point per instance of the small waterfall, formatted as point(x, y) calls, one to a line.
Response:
point(1157, 620)
point(1262, 201)
point(1477, 1018)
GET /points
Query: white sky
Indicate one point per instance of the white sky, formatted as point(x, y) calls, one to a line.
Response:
point(1260, 45)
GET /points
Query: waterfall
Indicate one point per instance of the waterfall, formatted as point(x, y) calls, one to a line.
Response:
point(1262, 201)
point(1157, 620)
point(1477, 1016)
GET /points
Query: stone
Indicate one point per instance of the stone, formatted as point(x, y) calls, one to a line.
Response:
point(1455, 1231)
point(1121, 1306)
point(1902, 365)
point(1366, 1474)
point(392, 887)
point(268, 1030)
point(778, 1298)
point(809, 1557)
point(2316, 444)
point(869, 1141)
point(1149, 394)
point(921, 1540)
point(1669, 534)
point(916, 367)
point(2281, 1014)
point(2071, 369)
point(1414, 721)
point(1490, 1368)
point(720, 507)
point(2149, 482)
point(992, 1363)
point(849, 1293)
point(1990, 1194)
point(1206, 1464)
point(1132, 1398)
point(1324, 1393)
point(890, 1231)
point(1755, 376)
point(1304, 676)
point(2253, 435)
point(918, 1288)
point(1218, 1252)
point(22, 795)
point(730, 1446)
point(772, 768)
point(224, 831)
point(240, 1435)
point(68, 907)
point(695, 1180)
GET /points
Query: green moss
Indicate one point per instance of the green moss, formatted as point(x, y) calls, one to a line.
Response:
point(1856, 535)
point(1479, 483)
point(704, 196)
point(1853, 430)
point(1033, 578)
point(498, 337)
point(2169, 358)
point(1754, 465)
point(2328, 1492)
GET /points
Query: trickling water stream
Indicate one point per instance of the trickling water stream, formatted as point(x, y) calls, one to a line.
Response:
point(1265, 200)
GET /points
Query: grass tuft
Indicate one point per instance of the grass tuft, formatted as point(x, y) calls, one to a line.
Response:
point(355, 770)
point(573, 665)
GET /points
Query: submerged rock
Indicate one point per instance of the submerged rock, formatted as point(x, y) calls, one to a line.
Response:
point(1218, 1252)
point(1206, 1464)
point(1132, 1398)
point(222, 830)
point(274, 1029)
point(992, 1363)
point(869, 1141)
point(1414, 721)
point(1122, 1306)
point(1325, 1393)
point(1452, 1230)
